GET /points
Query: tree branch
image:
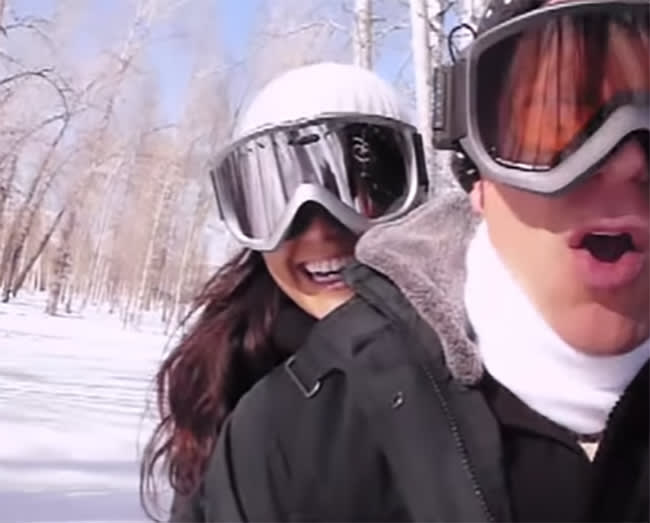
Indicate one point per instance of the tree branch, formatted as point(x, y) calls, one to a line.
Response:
point(305, 27)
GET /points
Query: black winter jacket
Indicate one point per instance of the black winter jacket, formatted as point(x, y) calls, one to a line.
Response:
point(385, 415)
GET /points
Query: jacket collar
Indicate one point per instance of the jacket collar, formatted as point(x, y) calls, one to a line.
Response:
point(423, 254)
point(438, 435)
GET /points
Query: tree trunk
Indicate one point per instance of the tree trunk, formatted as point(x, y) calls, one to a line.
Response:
point(21, 225)
point(99, 287)
point(127, 315)
point(423, 82)
point(61, 265)
point(362, 35)
point(21, 228)
point(144, 287)
point(98, 254)
point(181, 277)
point(5, 188)
point(20, 279)
point(114, 292)
point(68, 301)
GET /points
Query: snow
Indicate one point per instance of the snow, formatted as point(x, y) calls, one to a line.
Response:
point(73, 397)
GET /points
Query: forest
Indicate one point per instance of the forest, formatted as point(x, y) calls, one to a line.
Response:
point(104, 193)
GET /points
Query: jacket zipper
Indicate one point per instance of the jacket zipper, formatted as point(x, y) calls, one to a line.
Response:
point(377, 300)
point(460, 445)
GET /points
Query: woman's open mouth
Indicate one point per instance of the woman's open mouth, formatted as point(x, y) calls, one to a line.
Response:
point(612, 257)
point(327, 273)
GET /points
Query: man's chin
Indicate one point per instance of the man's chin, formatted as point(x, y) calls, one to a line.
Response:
point(599, 331)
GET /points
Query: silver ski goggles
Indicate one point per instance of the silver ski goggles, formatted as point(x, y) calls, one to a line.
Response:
point(540, 101)
point(361, 169)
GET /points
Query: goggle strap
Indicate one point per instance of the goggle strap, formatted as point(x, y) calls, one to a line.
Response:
point(448, 107)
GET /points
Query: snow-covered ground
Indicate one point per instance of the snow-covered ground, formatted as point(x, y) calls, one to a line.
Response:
point(73, 394)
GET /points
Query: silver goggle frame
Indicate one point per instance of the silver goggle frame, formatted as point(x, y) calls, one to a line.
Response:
point(416, 185)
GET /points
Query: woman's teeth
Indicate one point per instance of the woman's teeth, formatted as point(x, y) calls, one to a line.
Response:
point(327, 271)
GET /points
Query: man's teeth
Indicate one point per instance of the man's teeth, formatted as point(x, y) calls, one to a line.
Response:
point(606, 233)
point(333, 265)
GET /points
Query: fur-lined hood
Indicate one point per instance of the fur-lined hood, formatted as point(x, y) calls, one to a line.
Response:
point(424, 253)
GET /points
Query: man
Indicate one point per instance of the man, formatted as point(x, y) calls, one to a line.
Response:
point(493, 365)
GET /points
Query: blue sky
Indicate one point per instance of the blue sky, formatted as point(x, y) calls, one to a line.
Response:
point(237, 18)
point(234, 21)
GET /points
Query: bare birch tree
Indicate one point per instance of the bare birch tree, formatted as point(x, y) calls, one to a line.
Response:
point(36, 254)
point(362, 33)
point(61, 267)
point(421, 49)
point(168, 184)
point(24, 219)
point(145, 15)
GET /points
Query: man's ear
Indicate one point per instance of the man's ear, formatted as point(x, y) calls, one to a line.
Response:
point(476, 196)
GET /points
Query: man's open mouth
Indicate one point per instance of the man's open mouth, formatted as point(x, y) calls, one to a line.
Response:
point(611, 257)
point(608, 247)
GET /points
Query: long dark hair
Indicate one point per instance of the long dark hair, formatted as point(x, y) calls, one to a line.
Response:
point(223, 354)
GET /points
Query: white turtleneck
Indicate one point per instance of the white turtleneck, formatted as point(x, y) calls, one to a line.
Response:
point(521, 351)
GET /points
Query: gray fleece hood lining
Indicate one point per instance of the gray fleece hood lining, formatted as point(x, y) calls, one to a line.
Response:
point(423, 253)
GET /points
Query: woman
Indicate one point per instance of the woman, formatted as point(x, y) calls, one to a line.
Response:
point(323, 152)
